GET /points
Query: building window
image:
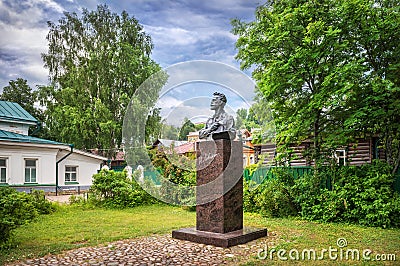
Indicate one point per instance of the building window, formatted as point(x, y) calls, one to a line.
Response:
point(340, 157)
point(30, 170)
point(71, 173)
point(3, 170)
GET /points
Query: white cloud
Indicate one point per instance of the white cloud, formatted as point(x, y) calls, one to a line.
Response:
point(168, 102)
point(171, 36)
point(48, 4)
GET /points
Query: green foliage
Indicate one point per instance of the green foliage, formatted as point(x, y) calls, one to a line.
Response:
point(169, 131)
point(186, 128)
point(301, 66)
point(374, 31)
point(258, 119)
point(363, 195)
point(96, 62)
point(241, 116)
point(114, 190)
point(176, 168)
point(20, 92)
point(153, 126)
point(179, 176)
point(330, 70)
point(274, 197)
point(250, 194)
point(277, 198)
point(40, 203)
point(17, 209)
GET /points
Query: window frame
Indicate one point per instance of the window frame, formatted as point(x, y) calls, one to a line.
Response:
point(36, 160)
point(70, 174)
point(338, 157)
point(5, 167)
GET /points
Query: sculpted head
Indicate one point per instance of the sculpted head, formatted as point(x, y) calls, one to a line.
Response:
point(218, 101)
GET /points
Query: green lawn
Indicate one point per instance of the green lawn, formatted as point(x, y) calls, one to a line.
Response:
point(72, 227)
point(299, 234)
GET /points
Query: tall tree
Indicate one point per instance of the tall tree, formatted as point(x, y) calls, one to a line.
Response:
point(241, 116)
point(153, 126)
point(96, 62)
point(373, 29)
point(302, 68)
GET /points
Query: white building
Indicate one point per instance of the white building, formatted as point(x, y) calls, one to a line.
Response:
point(28, 162)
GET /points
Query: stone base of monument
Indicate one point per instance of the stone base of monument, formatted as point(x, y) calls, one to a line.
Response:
point(219, 196)
point(217, 239)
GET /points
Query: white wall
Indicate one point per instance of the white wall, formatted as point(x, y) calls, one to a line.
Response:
point(16, 155)
point(87, 166)
point(46, 165)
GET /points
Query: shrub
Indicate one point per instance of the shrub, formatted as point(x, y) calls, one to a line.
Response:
point(250, 194)
point(363, 195)
point(115, 190)
point(277, 197)
point(42, 205)
point(179, 175)
point(16, 209)
point(274, 197)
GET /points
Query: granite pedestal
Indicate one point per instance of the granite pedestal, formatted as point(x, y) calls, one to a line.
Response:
point(219, 196)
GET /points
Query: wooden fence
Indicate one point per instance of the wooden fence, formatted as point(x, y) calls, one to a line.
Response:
point(263, 173)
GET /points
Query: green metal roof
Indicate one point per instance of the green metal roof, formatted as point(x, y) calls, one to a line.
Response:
point(13, 112)
point(14, 137)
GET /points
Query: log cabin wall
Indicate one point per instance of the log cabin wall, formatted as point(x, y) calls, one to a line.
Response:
point(361, 152)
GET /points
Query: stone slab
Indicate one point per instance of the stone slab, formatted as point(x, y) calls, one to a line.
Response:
point(224, 213)
point(225, 240)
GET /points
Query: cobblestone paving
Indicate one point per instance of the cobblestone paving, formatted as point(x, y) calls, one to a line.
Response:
point(154, 250)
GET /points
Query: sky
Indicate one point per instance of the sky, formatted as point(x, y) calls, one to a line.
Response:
point(181, 30)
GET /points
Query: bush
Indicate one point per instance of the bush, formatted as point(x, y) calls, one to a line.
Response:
point(115, 190)
point(250, 194)
point(274, 197)
point(277, 197)
point(363, 195)
point(42, 205)
point(179, 176)
point(16, 209)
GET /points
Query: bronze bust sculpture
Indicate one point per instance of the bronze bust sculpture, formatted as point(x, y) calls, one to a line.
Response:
point(221, 124)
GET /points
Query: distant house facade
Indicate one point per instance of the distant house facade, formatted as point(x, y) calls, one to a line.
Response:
point(28, 162)
point(193, 136)
point(248, 148)
point(361, 152)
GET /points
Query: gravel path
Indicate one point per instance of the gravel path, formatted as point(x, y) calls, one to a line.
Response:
point(154, 250)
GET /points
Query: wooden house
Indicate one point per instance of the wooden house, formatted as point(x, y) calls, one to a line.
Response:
point(361, 152)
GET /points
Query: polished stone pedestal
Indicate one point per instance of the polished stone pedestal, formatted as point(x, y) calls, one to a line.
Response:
point(219, 196)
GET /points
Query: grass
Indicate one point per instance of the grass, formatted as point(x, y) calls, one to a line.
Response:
point(72, 227)
point(299, 234)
